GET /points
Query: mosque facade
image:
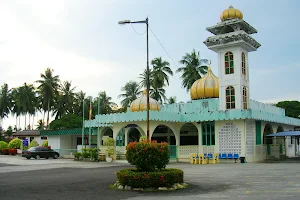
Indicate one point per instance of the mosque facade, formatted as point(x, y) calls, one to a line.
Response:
point(220, 118)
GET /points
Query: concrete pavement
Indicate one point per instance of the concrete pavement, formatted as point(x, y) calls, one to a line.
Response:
point(66, 179)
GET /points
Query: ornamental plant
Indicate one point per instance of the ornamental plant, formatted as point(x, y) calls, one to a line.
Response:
point(148, 156)
point(33, 143)
point(15, 143)
point(3, 145)
point(163, 178)
point(45, 143)
point(109, 143)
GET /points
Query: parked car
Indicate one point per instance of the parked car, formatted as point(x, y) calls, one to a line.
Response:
point(40, 152)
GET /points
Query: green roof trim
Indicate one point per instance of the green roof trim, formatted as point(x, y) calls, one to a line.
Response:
point(198, 110)
point(76, 131)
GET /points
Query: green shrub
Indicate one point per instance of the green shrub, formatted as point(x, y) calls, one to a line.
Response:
point(94, 154)
point(3, 145)
point(33, 143)
point(163, 178)
point(85, 153)
point(78, 156)
point(109, 143)
point(148, 156)
point(45, 143)
point(15, 143)
point(143, 138)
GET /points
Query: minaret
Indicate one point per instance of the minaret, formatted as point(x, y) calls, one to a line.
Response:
point(232, 42)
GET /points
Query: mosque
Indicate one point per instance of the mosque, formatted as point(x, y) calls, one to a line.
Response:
point(220, 117)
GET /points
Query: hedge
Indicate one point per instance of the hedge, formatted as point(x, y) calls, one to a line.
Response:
point(162, 178)
point(45, 143)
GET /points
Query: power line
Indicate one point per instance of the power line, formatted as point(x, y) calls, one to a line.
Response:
point(163, 47)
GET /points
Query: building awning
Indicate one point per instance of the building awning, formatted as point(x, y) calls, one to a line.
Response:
point(286, 133)
point(27, 133)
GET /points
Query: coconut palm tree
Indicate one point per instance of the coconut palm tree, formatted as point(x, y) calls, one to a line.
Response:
point(80, 98)
point(48, 89)
point(172, 100)
point(16, 107)
point(143, 77)
point(5, 102)
point(161, 70)
point(65, 100)
point(131, 91)
point(158, 93)
point(194, 68)
point(25, 100)
point(106, 103)
point(40, 125)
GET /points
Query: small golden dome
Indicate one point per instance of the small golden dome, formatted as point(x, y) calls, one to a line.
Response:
point(231, 13)
point(206, 87)
point(140, 103)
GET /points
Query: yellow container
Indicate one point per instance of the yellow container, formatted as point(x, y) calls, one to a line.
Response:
point(192, 158)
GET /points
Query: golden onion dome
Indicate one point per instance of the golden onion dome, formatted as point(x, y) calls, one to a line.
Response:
point(231, 13)
point(206, 87)
point(140, 103)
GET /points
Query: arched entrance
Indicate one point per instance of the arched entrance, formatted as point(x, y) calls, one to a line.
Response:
point(163, 133)
point(106, 132)
point(267, 130)
point(189, 135)
point(134, 132)
point(279, 129)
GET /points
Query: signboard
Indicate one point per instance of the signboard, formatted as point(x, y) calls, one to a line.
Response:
point(25, 143)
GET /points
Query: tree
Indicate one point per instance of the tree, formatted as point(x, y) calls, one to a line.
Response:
point(292, 108)
point(161, 70)
point(131, 91)
point(48, 89)
point(65, 100)
point(78, 103)
point(172, 100)
point(106, 103)
point(40, 125)
point(143, 77)
point(25, 100)
point(158, 93)
point(68, 121)
point(5, 102)
point(193, 70)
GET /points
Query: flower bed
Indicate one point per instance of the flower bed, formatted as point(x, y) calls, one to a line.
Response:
point(162, 178)
point(150, 159)
point(12, 151)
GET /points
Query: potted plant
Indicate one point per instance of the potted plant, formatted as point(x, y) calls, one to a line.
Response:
point(109, 143)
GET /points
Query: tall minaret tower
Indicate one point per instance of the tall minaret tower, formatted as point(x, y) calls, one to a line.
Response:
point(232, 42)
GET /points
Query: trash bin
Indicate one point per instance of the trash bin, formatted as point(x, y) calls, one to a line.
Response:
point(242, 159)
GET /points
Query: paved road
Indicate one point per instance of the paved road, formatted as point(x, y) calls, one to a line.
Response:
point(90, 181)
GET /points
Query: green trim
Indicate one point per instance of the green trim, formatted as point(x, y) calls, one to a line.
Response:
point(76, 131)
point(258, 132)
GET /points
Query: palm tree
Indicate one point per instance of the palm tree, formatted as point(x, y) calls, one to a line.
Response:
point(158, 93)
point(40, 125)
point(144, 76)
point(65, 100)
point(78, 103)
point(106, 104)
point(161, 70)
point(172, 100)
point(194, 68)
point(5, 102)
point(25, 100)
point(48, 89)
point(16, 107)
point(131, 91)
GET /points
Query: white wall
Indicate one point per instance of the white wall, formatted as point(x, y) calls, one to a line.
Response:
point(54, 141)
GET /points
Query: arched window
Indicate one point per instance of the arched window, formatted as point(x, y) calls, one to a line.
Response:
point(245, 98)
point(230, 98)
point(229, 66)
point(243, 64)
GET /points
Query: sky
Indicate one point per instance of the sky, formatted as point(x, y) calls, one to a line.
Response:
point(82, 41)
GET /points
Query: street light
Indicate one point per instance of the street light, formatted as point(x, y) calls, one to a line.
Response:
point(148, 74)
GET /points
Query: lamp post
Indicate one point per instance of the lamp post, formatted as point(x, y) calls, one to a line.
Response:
point(148, 72)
